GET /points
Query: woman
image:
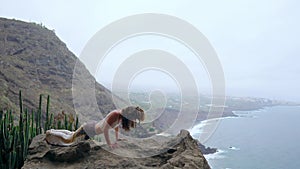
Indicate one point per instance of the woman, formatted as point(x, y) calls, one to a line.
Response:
point(125, 117)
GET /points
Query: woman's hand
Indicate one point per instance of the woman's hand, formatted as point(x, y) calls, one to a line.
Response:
point(113, 146)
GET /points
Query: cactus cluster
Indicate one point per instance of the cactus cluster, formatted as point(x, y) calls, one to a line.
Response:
point(16, 137)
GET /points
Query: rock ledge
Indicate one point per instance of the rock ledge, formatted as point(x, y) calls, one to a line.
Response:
point(179, 152)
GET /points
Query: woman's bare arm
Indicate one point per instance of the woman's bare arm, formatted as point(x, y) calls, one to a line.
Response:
point(117, 133)
point(106, 133)
point(111, 121)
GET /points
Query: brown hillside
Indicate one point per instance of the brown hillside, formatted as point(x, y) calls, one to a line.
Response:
point(33, 59)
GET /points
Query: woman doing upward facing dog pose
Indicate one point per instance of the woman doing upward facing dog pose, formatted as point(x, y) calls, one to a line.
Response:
point(126, 117)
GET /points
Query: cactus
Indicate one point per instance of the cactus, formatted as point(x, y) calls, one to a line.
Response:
point(38, 127)
point(26, 132)
point(21, 126)
point(76, 123)
point(8, 135)
point(47, 123)
point(32, 129)
point(59, 126)
point(15, 139)
point(13, 154)
point(66, 122)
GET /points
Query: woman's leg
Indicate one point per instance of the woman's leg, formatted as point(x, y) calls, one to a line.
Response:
point(64, 131)
point(79, 131)
point(65, 134)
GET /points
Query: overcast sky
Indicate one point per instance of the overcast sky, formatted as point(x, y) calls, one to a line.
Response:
point(256, 41)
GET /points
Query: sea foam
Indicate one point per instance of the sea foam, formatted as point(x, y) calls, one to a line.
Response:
point(218, 155)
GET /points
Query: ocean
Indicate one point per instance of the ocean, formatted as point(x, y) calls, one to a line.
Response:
point(263, 139)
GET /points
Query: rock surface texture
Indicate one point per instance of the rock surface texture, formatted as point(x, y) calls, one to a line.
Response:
point(177, 152)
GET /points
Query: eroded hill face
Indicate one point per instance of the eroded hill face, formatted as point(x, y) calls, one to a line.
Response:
point(33, 59)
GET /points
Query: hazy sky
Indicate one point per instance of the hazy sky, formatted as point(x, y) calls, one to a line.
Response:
point(257, 41)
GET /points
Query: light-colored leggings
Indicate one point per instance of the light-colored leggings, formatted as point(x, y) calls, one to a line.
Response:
point(66, 134)
point(61, 137)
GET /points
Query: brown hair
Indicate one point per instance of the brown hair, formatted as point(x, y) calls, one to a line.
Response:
point(130, 115)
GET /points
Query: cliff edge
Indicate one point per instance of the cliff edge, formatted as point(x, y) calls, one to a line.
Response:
point(178, 152)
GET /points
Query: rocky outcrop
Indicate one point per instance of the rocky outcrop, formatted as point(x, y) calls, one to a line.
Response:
point(178, 152)
point(206, 150)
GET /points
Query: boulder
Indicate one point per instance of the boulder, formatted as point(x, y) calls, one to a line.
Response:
point(181, 151)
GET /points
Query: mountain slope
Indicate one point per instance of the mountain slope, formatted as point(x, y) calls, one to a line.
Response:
point(33, 59)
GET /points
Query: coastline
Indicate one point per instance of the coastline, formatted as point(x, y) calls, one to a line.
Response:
point(228, 113)
point(234, 144)
point(211, 152)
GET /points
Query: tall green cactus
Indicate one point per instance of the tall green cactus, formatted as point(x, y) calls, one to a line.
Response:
point(13, 154)
point(21, 127)
point(39, 117)
point(59, 126)
point(15, 139)
point(8, 146)
point(76, 123)
point(66, 122)
point(32, 129)
point(47, 122)
point(26, 134)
